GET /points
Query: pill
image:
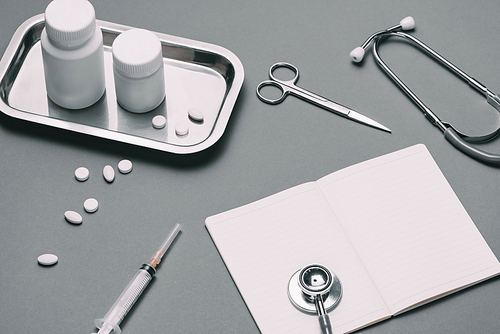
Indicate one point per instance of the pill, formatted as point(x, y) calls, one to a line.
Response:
point(159, 122)
point(196, 115)
point(109, 173)
point(125, 166)
point(181, 129)
point(73, 217)
point(91, 205)
point(47, 259)
point(82, 174)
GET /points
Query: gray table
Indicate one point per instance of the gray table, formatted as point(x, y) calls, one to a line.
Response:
point(265, 149)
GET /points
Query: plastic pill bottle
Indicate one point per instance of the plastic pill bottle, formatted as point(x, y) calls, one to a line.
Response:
point(138, 70)
point(72, 53)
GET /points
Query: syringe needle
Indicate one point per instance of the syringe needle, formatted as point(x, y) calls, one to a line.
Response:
point(111, 321)
point(164, 246)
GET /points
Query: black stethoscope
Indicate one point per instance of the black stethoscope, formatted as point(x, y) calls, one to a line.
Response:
point(315, 290)
point(460, 140)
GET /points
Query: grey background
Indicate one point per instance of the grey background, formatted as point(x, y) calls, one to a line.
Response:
point(265, 149)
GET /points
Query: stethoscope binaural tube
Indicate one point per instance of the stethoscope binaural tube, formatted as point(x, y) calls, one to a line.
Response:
point(458, 139)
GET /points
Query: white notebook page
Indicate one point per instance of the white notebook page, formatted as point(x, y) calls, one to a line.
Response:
point(409, 228)
point(264, 243)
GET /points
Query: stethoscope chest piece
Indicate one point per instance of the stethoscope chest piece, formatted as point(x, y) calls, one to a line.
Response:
point(311, 282)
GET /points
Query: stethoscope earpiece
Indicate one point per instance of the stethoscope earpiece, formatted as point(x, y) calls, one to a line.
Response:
point(357, 55)
point(408, 23)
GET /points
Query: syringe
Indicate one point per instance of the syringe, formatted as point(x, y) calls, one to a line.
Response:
point(111, 321)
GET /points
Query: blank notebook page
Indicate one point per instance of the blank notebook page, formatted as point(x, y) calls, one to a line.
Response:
point(408, 227)
point(264, 243)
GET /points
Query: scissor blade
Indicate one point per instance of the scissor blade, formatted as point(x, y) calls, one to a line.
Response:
point(351, 114)
point(334, 107)
point(366, 120)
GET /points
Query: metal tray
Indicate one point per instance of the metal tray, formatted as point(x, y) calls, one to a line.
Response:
point(197, 75)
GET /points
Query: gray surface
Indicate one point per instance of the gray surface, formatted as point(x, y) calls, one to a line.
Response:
point(264, 150)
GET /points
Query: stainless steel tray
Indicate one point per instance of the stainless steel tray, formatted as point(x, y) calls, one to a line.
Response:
point(197, 75)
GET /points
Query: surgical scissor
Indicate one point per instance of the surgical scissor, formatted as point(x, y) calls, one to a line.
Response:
point(458, 139)
point(288, 87)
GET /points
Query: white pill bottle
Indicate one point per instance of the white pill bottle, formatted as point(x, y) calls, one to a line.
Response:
point(138, 70)
point(72, 53)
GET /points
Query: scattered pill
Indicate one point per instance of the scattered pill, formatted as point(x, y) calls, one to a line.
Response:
point(181, 129)
point(91, 205)
point(125, 166)
point(73, 217)
point(109, 173)
point(82, 174)
point(47, 259)
point(196, 115)
point(159, 122)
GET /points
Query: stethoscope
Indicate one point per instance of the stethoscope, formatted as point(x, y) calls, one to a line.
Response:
point(458, 139)
point(315, 290)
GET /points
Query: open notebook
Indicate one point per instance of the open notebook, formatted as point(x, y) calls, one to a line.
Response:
point(390, 228)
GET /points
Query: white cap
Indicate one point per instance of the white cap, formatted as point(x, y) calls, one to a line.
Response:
point(70, 22)
point(137, 53)
point(408, 23)
point(357, 54)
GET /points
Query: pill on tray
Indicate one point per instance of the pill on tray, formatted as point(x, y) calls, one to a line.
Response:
point(125, 166)
point(73, 217)
point(47, 259)
point(181, 129)
point(82, 174)
point(196, 115)
point(109, 173)
point(91, 205)
point(159, 122)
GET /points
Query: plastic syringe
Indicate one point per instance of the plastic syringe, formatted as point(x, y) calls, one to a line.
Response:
point(111, 321)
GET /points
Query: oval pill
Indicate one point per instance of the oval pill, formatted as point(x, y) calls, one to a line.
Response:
point(159, 122)
point(196, 115)
point(125, 166)
point(73, 217)
point(109, 173)
point(181, 129)
point(91, 205)
point(82, 174)
point(47, 259)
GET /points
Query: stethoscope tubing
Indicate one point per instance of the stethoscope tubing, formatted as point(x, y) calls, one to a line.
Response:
point(457, 139)
point(451, 135)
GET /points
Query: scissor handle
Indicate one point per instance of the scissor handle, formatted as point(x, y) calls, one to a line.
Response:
point(283, 85)
point(286, 65)
point(284, 91)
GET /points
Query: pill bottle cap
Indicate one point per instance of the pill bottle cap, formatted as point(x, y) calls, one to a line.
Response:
point(70, 22)
point(137, 53)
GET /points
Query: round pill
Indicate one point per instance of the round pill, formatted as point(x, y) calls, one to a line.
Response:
point(159, 122)
point(82, 174)
point(109, 173)
point(196, 115)
point(125, 166)
point(73, 217)
point(181, 129)
point(47, 259)
point(91, 205)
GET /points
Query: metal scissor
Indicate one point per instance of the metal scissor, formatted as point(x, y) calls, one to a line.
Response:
point(288, 87)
